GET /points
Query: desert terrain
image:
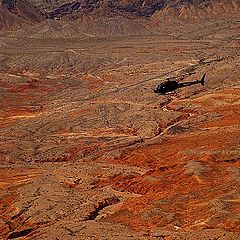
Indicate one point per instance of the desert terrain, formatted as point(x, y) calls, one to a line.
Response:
point(89, 151)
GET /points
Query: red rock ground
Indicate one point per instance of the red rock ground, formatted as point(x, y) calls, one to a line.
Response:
point(193, 170)
point(109, 159)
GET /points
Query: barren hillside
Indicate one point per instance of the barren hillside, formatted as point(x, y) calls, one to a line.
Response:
point(89, 151)
point(157, 11)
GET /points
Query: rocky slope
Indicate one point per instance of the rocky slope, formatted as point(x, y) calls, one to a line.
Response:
point(89, 151)
point(159, 10)
point(14, 14)
point(144, 8)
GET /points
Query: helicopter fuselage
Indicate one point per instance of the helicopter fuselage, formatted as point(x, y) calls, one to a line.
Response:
point(171, 85)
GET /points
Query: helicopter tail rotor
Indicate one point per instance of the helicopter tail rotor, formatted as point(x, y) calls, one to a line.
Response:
point(202, 81)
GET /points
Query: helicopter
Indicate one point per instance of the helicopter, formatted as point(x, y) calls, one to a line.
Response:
point(171, 85)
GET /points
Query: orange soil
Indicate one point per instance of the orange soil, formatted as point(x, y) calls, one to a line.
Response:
point(176, 193)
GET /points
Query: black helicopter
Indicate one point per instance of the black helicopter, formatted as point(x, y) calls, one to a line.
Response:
point(170, 85)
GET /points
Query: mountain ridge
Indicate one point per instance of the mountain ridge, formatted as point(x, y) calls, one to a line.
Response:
point(37, 10)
